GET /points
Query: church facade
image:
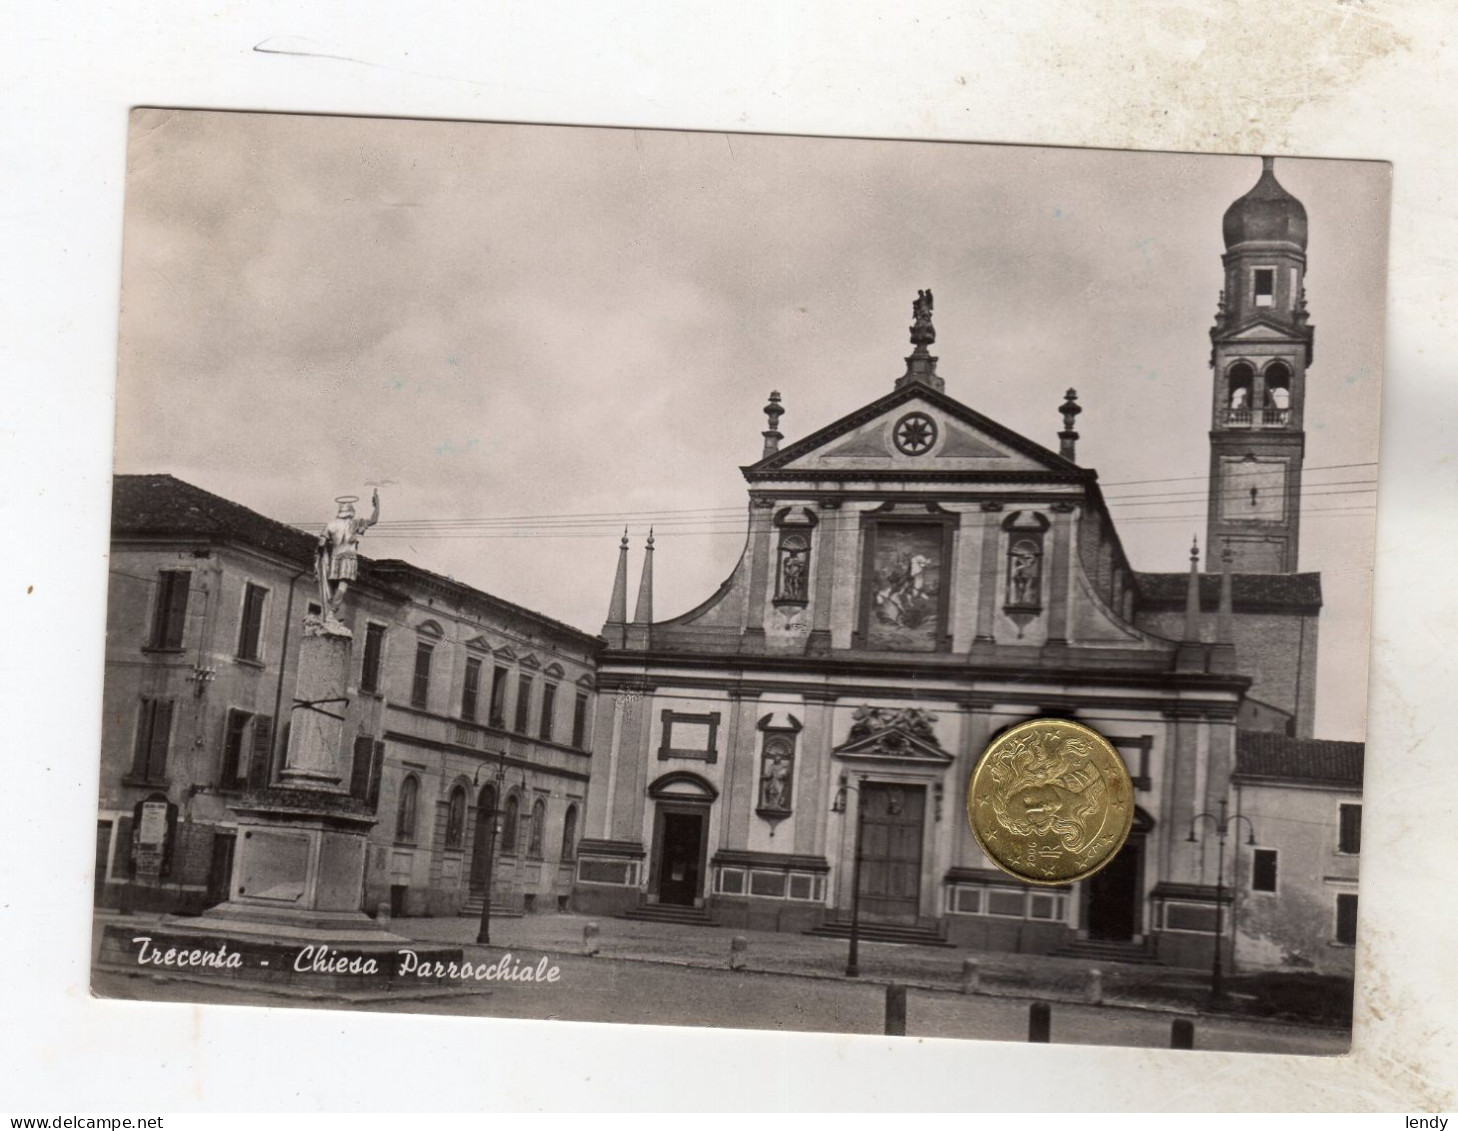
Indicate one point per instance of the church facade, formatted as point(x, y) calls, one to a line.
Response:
point(916, 578)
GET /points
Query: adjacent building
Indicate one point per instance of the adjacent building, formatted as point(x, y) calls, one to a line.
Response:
point(468, 716)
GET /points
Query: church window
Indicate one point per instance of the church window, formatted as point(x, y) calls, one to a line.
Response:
point(569, 833)
point(1263, 870)
point(509, 825)
point(1265, 286)
point(539, 823)
point(405, 811)
point(1241, 383)
point(456, 818)
point(1278, 392)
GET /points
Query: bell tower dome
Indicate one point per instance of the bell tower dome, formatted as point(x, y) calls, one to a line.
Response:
point(1262, 344)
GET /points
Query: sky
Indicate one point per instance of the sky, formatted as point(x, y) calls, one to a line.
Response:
point(528, 336)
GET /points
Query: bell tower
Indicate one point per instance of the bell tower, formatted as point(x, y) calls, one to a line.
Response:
point(1261, 347)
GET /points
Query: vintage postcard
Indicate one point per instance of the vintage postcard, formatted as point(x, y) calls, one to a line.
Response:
point(574, 573)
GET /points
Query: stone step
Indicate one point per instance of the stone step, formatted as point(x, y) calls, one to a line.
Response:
point(472, 909)
point(1108, 950)
point(881, 932)
point(671, 913)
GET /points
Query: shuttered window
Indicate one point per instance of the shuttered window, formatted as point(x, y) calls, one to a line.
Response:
point(579, 722)
point(498, 696)
point(169, 619)
point(549, 709)
point(260, 760)
point(250, 631)
point(360, 767)
point(471, 690)
point(374, 649)
point(420, 689)
point(1346, 919)
point(234, 770)
point(1349, 838)
point(154, 730)
point(523, 703)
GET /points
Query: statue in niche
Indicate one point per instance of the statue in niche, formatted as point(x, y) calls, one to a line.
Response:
point(774, 777)
point(336, 559)
point(794, 568)
point(1024, 563)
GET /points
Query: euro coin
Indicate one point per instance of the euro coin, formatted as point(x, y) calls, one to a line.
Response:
point(1050, 801)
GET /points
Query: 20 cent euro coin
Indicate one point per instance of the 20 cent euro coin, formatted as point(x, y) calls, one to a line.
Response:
point(1050, 801)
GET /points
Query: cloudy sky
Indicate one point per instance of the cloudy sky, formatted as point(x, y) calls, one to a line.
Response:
point(531, 335)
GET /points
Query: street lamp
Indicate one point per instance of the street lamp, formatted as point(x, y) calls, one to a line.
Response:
point(1222, 829)
point(852, 965)
point(483, 933)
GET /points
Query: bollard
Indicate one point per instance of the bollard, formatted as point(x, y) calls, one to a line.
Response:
point(590, 944)
point(1094, 991)
point(971, 976)
point(1040, 1022)
point(737, 946)
point(895, 1010)
point(1182, 1033)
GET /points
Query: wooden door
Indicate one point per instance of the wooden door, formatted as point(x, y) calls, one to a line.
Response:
point(681, 843)
point(483, 847)
point(220, 867)
point(1112, 907)
point(891, 834)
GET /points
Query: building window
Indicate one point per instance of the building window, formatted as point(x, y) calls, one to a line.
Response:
point(471, 691)
point(420, 689)
point(498, 697)
point(1349, 836)
point(364, 773)
point(250, 630)
point(374, 654)
point(579, 722)
point(405, 812)
point(234, 771)
point(456, 818)
point(1346, 919)
point(509, 824)
point(569, 833)
point(1263, 870)
point(154, 730)
point(549, 709)
point(1265, 286)
point(690, 736)
point(534, 836)
point(523, 703)
point(170, 617)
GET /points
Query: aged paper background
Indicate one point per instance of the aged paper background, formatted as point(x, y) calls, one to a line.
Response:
point(1342, 79)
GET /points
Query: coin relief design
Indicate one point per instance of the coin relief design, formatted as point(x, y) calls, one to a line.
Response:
point(1050, 801)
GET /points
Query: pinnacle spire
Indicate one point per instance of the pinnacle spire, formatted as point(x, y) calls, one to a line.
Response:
point(1192, 595)
point(921, 366)
point(643, 613)
point(618, 606)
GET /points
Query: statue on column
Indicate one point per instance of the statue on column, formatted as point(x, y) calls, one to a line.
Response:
point(336, 560)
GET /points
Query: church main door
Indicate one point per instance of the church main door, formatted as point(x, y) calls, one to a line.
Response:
point(1112, 907)
point(891, 834)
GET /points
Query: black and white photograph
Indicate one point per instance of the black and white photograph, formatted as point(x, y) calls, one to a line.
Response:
point(573, 573)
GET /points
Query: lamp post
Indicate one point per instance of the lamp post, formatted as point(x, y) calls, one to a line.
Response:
point(483, 933)
point(1222, 825)
point(852, 965)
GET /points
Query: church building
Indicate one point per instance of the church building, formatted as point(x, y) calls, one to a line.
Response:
point(916, 578)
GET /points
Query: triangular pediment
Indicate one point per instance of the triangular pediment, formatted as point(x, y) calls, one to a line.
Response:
point(914, 430)
point(1261, 330)
point(892, 744)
